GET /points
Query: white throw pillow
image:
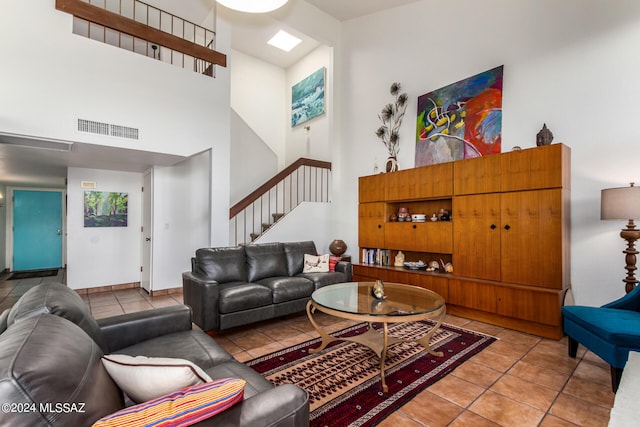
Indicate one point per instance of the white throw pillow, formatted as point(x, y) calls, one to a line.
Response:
point(316, 263)
point(144, 378)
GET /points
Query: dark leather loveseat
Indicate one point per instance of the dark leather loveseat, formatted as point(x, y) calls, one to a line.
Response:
point(235, 286)
point(51, 372)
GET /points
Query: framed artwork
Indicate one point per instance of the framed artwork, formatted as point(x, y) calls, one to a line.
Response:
point(105, 209)
point(461, 120)
point(307, 98)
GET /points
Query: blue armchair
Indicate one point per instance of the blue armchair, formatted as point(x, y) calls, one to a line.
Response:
point(610, 331)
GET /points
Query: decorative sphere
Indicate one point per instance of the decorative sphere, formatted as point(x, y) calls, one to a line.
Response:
point(338, 247)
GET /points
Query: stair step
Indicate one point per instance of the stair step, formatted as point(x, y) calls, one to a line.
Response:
point(277, 216)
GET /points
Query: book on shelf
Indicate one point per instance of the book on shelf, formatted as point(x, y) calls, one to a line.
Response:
point(376, 256)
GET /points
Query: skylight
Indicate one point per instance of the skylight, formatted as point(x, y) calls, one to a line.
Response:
point(285, 41)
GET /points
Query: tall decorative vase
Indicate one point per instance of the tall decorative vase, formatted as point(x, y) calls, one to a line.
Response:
point(338, 247)
point(391, 165)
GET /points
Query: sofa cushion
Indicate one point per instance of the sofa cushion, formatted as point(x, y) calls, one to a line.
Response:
point(316, 263)
point(265, 260)
point(3, 320)
point(57, 299)
point(255, 385)
point(192, 345)
point(295, 255)
point(180, 408)
point(221, 264)
point(323, 279)
point(48, 359)
point(333, 260)
point(288, 288)
point(619, 327)
point(144, 378)
point(237, 296)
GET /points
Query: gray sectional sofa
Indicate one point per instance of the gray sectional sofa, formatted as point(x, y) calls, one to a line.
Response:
point(51, 349)
point(235, 286)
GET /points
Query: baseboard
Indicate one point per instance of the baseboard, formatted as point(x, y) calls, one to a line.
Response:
point(165, 292)
point(108, 288)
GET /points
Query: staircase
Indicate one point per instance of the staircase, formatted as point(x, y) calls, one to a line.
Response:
point(305, 180)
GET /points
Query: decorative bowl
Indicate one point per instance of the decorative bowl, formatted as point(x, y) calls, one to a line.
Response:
point(415, 265)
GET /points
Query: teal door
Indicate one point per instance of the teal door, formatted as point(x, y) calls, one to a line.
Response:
point(37, 230)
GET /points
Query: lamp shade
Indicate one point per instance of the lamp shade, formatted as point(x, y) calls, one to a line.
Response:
point(253, 6)
point(620, 203)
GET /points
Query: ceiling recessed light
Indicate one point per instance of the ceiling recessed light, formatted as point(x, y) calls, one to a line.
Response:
point(284, 41)
point(253, 6)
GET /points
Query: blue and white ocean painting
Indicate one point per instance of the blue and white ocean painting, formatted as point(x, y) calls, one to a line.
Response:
point(307, 98)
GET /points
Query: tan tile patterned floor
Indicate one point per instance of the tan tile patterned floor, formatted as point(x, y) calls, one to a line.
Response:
point(520, 380)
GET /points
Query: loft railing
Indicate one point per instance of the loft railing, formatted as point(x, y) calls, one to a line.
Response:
point(305, 180)
point(147, 30)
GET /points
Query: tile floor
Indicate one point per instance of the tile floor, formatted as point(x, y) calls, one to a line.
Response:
point(520, 380)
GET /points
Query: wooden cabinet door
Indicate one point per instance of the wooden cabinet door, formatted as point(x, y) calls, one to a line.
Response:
point(533, 245)
point(433, 181)
point(372, 188)
point(529, 304)
point(479, 175)
point(437, 284)
point(371, 218)
point(425, 182)
point(536, 168)
point(435, 237)
point(475, 295)
point(476, 236)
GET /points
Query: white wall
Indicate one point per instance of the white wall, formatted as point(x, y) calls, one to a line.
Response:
point(295, 227)
point(569, 64)
point(106, 256)
point(257, 96)
point(181, 218)
point(316, 142)
point(252, 161)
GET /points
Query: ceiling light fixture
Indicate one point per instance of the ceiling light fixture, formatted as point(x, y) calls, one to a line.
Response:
point(253, 6)
point(285, 41)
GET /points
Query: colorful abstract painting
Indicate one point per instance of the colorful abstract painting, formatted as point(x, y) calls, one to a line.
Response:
point(105, 209)
point(307, 98)
point(460, 121)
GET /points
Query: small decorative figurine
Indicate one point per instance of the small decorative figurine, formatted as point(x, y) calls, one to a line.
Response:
point(378, 289)
point(544, 137)
point(399, 261)
point(434, 217)
point(403, 214)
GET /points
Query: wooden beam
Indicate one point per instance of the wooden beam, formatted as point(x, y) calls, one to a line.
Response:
point(125, 25)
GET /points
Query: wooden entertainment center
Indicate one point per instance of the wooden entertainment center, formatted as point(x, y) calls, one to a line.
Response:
point(507, 238)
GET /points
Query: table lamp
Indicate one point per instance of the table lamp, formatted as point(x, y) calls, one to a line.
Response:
point(624, 203)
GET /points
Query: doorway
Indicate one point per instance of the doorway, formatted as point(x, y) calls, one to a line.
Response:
point(147, 229)
point(37, 229)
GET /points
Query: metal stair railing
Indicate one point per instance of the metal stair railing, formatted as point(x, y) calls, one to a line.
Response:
point(141, 28)
point(305, 180)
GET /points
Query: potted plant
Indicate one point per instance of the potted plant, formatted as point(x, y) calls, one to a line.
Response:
point(391, 118)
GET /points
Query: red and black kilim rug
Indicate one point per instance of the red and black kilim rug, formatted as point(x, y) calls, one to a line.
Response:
point(343, 381)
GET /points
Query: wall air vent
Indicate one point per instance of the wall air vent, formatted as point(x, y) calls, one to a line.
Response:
point(100, 128)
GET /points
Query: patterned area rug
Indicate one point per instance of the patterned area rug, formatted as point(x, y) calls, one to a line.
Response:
point(343, 380)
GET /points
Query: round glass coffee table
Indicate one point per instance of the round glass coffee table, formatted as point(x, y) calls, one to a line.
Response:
point(354, 301)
